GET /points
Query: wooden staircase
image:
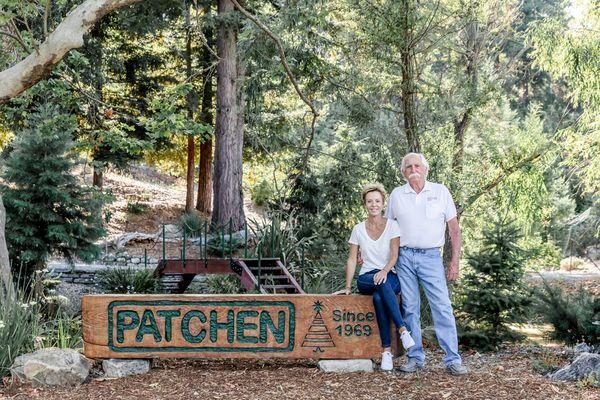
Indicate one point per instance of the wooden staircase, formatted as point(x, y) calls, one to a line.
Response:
point(269, 276)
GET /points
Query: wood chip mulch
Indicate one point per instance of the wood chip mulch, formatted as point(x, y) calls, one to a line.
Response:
point(505, 375)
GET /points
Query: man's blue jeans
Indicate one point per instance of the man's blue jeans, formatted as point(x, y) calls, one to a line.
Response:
point(385, 302)
point(425, 266)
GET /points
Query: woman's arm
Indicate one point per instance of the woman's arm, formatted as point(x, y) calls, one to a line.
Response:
point(350, 269)
point(381, 276)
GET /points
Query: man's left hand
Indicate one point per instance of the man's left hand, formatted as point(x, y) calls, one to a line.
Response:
point(452, 273)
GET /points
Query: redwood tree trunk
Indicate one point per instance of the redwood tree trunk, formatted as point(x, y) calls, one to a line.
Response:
point(409, 89)
point(204, 200)
point(191, 143)
point(227, 185)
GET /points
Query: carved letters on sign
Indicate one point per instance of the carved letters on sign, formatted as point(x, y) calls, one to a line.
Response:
point(290, 326)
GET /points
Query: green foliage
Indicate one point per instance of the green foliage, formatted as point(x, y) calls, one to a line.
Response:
point(280, 238)
point(547, 361)
point(48, 210)
point(225, 284)
point(222, 243)
point(129, 281)
point(62, 331)
point(575, 317)
point(262, 193)
point(19, 323)
point(492, 294)
point(136, 207)
point(193, 223)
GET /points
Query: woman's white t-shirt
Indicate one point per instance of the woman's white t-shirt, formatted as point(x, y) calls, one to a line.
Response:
point(375, 253)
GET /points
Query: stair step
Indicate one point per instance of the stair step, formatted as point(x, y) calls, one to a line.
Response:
point(265, 277)
point(277, 286)
point(265, 268)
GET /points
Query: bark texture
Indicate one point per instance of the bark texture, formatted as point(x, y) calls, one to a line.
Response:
point(191, 107)
point(67, 35)
point(227, 185)
point(409, 88)
point(5, 272)
point(204, 199)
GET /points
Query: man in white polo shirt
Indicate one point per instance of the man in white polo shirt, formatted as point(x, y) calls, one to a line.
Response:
point(422, 210)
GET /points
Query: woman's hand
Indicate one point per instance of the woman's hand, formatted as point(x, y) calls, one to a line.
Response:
point(380, 277)
point(343, 291)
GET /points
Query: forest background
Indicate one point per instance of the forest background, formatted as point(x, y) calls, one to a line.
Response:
point(303, 102)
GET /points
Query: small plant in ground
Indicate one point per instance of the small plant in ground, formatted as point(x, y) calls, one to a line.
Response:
point(127, 281)
point(193, 224)
point(222, 248)
point(493, 293)
point(225, 284)
point(592, 380)
point(63, 331)
point(546, 362)
point(136, 207)
point(575, 318)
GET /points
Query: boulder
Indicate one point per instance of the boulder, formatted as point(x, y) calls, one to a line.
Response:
point(346, 365)
point(51, 367)
point(584, 365)
point(582, 348)
point(117, 368)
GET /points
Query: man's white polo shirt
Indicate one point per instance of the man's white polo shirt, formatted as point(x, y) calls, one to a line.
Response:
point(422, 217)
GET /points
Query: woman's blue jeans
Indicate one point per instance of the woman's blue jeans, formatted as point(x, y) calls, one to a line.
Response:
point(385, 302)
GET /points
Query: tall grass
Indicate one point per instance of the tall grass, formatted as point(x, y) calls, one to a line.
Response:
point(19, 323)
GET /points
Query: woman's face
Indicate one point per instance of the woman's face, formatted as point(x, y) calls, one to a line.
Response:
point(374, 203)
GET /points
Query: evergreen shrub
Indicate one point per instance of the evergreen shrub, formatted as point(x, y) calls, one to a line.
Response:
point(575, 317)
point(48, 210)
point(493, 294)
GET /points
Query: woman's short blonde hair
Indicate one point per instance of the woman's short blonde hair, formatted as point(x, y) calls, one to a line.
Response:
point(373, 187)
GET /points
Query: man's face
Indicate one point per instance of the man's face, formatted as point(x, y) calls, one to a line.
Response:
point(414, 170)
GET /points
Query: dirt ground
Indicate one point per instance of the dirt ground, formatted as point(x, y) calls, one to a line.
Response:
point(505, 375)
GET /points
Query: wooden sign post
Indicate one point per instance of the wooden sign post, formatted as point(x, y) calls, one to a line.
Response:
point(230, 326)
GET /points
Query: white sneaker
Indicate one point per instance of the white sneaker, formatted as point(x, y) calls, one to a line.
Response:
point(407, 340)
point(387, 361)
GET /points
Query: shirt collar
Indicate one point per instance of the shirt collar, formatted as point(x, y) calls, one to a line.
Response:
point(409, 189)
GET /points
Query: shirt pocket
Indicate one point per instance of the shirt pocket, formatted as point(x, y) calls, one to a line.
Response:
point(434, 210)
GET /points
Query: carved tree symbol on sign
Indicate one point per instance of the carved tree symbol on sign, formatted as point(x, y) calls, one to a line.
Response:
point(318, 336)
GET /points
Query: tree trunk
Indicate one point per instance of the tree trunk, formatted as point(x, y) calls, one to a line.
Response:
point(204, 200)
point(98, 177)
point(67, 35)
point(8, 289)
point(227, 184)
point(191, 105)
point(409, 89)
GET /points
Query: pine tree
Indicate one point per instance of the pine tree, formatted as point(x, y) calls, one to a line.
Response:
point(493, 294)
point(48, 211)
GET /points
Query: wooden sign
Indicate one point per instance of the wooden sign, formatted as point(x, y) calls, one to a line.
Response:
point(230, 326)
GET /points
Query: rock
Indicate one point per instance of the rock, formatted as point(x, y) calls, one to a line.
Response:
point(135, 260)
point(429, 337)
point(582, 348)
point(51, 367)
point(346, 365)
point(121, 260)
point(171, 232)
point(117, 368)
point(584, 365)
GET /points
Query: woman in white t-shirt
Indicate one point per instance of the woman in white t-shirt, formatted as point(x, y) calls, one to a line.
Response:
point(378, 239)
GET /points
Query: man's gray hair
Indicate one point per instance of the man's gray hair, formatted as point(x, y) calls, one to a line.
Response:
point(420, 155)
